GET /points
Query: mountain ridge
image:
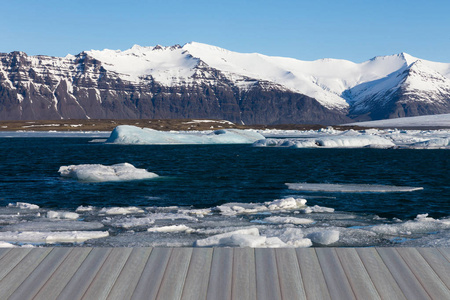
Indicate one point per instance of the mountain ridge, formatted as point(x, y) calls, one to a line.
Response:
point(198, 80)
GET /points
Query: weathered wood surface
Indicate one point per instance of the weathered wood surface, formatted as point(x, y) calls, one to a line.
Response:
point(225, 273)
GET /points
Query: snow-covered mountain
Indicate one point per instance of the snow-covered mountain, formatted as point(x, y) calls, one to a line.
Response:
point(203, 81)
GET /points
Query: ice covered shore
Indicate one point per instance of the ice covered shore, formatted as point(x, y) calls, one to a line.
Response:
point(286, 222)
point(324, 138)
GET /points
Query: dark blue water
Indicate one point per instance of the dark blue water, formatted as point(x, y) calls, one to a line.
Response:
point(210, 175)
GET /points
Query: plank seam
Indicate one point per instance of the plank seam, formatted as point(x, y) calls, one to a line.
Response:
point(346, 274)
point(444, 255)
point(56, 270)
point(321, 270)
point(414, 273)
point(278, 273)
point(432, 267)
point(389, 270)
point(165, 273)
point(232, 270)
point(301, 274)
point(96, 275)
point(370, 276)
point(120, 273)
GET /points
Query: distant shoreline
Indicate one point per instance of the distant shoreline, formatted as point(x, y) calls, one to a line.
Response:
point(168, 124)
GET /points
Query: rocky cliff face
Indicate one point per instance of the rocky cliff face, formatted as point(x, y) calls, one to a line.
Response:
point(200, 81)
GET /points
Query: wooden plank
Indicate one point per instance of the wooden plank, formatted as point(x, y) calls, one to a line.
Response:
point(291, 283)
point(220, 279)
point(10, 260)
point(445, 252)
point(148, 285)
point(267, 283)
point(438, 262)
point(105, 278)
point(31, 286)
point(430, 281)
point(3, 251)
point(334, 274)
point(312, 275)
point(63, 274)
point(21, 271)
point(173, 281)
point(411, 287)
point(196, 285)
point(380, 275)
point(129, 277)
point(83, 277)
point(356, 273)
point(244, 274)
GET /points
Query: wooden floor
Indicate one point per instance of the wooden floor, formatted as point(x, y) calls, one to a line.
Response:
point(225, 273)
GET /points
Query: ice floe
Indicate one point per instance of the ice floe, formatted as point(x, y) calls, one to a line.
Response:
point(171, 228)
point(121, 210)
point(51, 236)
point(126, 134)
point(369, 138)
point(101, 173)
point(350, 188)
point(62, 215)
point(286, 222)
point(23, 205)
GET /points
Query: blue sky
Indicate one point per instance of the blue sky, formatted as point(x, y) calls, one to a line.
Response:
point(307, 30)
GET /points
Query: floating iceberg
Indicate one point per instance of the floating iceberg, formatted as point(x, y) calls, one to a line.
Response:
point(332, 141)
point(126, 134)
point(101, 173)
point(23, 205)
point(350, 188)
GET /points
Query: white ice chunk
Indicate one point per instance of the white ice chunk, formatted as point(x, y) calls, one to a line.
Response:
point(287, 203)
point(23, 205)
point(350, 188)
point(231, 209)
point(421, 224)
point(244, 240)
point(287, 220)
point(224, 238)
point(52, 225)
point(126, 134)
point(133, 222)
point(82, 208)
point(171, 228)
point(331, 141)
point(101, 173)
point(300, 243)
point(325, 237)
point(51, 237)
point(62, 215)
point(6, 245)
point(316, 209)
point(121, 210)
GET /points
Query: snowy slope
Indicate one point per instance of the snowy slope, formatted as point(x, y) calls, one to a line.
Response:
point(335, 83)
point(442, 120)
point(203, 81)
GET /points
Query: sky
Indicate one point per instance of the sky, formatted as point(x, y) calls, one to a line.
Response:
point(306, 30)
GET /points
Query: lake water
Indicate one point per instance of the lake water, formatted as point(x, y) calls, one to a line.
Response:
point(194, 177)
